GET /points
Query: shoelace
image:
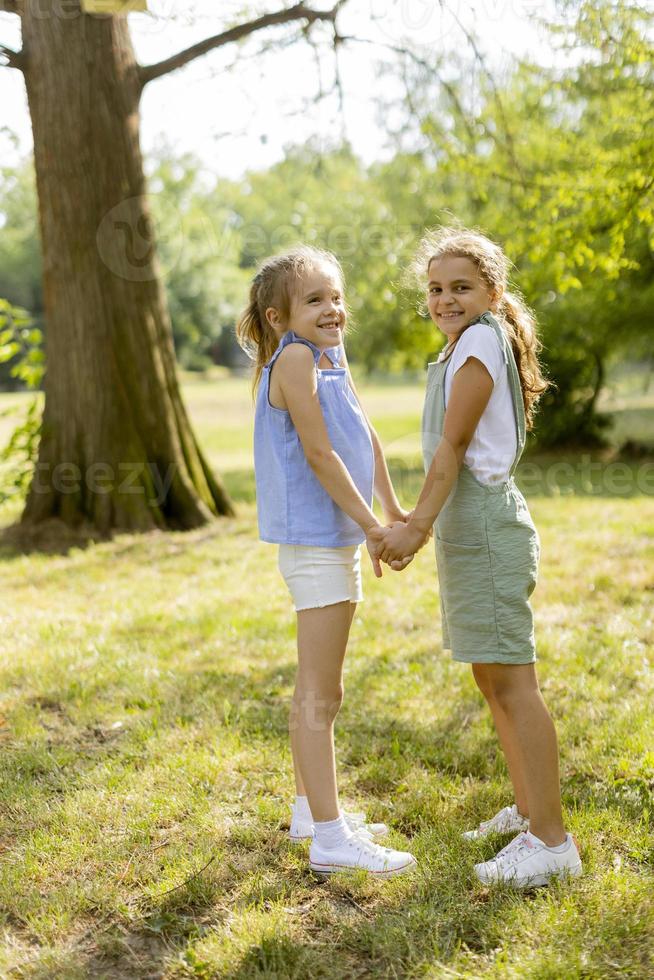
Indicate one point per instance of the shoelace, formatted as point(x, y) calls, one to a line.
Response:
point(364, 845)
point(514, 851)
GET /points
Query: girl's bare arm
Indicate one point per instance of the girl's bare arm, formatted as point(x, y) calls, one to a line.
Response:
point(384, 490)
point(296, 376)
point(472, 387)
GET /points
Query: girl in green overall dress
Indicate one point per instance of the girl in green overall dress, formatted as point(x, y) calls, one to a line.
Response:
point(481, 394)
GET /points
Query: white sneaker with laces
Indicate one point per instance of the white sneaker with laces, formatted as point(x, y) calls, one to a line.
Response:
point(528, 863)
point(303, 829)
point(359, 852)
point(507, 821)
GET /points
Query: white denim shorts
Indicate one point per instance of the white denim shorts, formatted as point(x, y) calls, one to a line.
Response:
point(319, 577)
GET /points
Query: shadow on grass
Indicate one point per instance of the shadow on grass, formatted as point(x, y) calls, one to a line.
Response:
point(52, 537)
point(432, 921)
point(56, 539)
point(282, 956)
point(371, 934)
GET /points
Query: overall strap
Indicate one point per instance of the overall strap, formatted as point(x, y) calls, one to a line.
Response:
point(443, 360)
point(514, 383)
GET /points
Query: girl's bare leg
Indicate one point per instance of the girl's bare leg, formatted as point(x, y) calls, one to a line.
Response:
point(503, 729)
point(529, 741)
point(322, 636)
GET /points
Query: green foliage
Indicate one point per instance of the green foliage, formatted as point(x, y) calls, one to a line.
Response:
point(557, 165)
point(328, 199)
point(554, 164)
point(20, 256)
point(20, 347)
point(199, 257)
point(199, 262)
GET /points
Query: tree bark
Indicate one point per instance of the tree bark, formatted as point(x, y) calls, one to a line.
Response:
point(117, 448)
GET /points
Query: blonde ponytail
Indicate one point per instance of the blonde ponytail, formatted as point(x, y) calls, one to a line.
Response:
point(255, 335)
point(274, 286)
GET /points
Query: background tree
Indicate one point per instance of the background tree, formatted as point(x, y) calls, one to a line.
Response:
point(116, 448)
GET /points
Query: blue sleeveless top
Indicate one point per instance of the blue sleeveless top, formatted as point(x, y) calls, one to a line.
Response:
point(292, 505)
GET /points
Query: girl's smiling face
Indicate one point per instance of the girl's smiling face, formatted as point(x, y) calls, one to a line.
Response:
point(317, 308)
point(457, 294)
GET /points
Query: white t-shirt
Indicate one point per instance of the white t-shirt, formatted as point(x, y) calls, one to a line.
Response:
point(493, 447)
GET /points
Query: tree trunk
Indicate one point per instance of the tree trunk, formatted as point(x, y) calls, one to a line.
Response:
point(116, 448)
point(600, 378)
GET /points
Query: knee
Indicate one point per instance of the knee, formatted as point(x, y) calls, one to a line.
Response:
point(338, 693)
point(505, 695)
point(318, 705)
point(511, 694)
point(334, 702)
point(502, 689)
point(483, 680)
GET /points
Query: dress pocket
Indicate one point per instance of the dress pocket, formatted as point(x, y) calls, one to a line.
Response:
point(466, 585)
point(518, 545)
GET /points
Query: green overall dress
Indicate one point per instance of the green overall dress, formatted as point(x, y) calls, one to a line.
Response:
point(487, 546)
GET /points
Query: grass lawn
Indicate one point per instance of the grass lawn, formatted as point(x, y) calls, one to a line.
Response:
point(146, 777)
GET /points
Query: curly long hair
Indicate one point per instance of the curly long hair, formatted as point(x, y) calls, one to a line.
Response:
point(275, 284)
point(516, 318)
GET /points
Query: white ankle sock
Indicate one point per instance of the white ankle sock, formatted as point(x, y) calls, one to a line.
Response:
point(331, 833)
point(557, 848)
point(301, 808)
point(560, 848)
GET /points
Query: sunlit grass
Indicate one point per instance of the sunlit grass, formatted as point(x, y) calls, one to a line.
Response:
point(146, 777)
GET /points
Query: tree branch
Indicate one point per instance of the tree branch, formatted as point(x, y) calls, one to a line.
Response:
point(430, 69)
point(298, 12)
point(470, 37)
point(13, 59)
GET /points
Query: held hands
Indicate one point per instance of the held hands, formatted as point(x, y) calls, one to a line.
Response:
point(375, 546)
point(399, 541)
point(395, 544)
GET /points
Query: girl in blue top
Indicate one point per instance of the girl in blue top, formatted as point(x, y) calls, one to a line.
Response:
point(317, 462)
point(481, 395)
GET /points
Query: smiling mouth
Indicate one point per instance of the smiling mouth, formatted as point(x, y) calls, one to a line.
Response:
point(450, 315)
point(329, 326)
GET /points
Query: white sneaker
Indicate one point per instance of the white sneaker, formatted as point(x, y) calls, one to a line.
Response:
point(303, 829)
point(507, 821)
point(527, 863)
point(359, 852)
